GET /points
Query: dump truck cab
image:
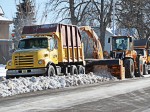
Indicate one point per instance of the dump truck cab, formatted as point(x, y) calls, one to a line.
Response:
point(33, 56)
point(122, 47)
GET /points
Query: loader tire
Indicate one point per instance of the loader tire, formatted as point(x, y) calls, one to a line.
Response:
point(145, 69)
point(140, 69)
point(81, 69)
point(73, 70)
point(51, 71)
point(129, 68)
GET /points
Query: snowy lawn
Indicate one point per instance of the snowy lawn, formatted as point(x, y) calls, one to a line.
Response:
point(2, 70)
point(29, 84)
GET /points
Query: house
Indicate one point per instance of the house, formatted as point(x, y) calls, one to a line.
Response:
point(4, 38)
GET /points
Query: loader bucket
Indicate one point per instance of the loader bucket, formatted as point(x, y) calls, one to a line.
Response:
point(114, 66)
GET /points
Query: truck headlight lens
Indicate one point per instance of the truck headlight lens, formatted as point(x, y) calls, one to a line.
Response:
point(45, 55)
point(41, 62)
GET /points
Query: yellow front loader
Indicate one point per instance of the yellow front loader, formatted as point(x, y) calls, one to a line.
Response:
point(142, 47)
point(114, 66)
point(123, 48)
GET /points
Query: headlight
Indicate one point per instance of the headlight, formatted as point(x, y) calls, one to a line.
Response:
point(41, 62)
point(45, 55)
point(9, 63)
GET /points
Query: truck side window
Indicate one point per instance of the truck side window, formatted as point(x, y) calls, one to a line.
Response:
point(53, 44)
point(21, 44)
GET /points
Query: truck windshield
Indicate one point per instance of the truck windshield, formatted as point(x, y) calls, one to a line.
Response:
point(120, 43)
point(33, 43)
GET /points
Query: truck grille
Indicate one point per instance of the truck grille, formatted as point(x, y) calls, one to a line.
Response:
point(24, 61)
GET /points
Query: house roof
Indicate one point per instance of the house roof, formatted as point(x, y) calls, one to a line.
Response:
point(107, 29)
point(1, 11)
point(3, 19)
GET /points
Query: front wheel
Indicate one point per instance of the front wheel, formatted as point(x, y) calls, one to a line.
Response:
point(81, 69)
point(50, 71)
point(129, 68)
point(145, 67)
point(140, 69)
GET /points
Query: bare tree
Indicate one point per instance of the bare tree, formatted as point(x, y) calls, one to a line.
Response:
point(103, 11)
point(134, 14)
point(72, 11)
point(25, 15)
point(83, 12)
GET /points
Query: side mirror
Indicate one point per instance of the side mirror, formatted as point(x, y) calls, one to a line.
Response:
point(131, 39)
point(108, 40)
point(12, 50)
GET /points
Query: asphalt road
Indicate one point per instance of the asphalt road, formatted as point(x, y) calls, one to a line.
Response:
point(120, 96)
point(137, 101)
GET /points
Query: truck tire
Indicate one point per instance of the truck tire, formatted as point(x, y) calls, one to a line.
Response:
point(129, 68)
point(51, 71)
point(81, 69)
point(73, 70)
point(145, 69)
point(140, 69)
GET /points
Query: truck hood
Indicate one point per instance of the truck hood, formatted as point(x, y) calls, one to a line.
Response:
point(28, 50)
point(25, 52)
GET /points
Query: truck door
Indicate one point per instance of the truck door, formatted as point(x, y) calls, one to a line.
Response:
point(53, 50)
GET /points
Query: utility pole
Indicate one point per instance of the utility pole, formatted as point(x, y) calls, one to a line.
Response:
point(113, 17)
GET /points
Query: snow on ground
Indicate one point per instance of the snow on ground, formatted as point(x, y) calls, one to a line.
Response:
point(9, 87)
point(2, 70)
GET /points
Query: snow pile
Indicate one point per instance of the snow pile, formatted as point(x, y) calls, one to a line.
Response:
point(15, 86)
point(2, 70)
point(102, 71)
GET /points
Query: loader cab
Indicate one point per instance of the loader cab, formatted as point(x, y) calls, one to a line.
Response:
point(122, 43)
point(120, 46)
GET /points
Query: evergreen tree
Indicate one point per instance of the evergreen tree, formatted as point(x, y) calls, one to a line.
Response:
point(25, 15)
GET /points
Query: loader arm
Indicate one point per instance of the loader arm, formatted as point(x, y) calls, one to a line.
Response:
point(98, 52)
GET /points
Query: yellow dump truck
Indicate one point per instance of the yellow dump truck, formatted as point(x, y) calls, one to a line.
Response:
point(47, 49)
point(142, 47)
point(56, 49)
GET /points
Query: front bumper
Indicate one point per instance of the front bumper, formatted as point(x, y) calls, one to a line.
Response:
point(26, 72)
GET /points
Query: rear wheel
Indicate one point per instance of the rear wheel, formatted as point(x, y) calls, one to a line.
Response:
point(145, 71)
point(73, 70)
point(81, 69)
point(51, 71)
point(129, 68)
point(140, 69)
